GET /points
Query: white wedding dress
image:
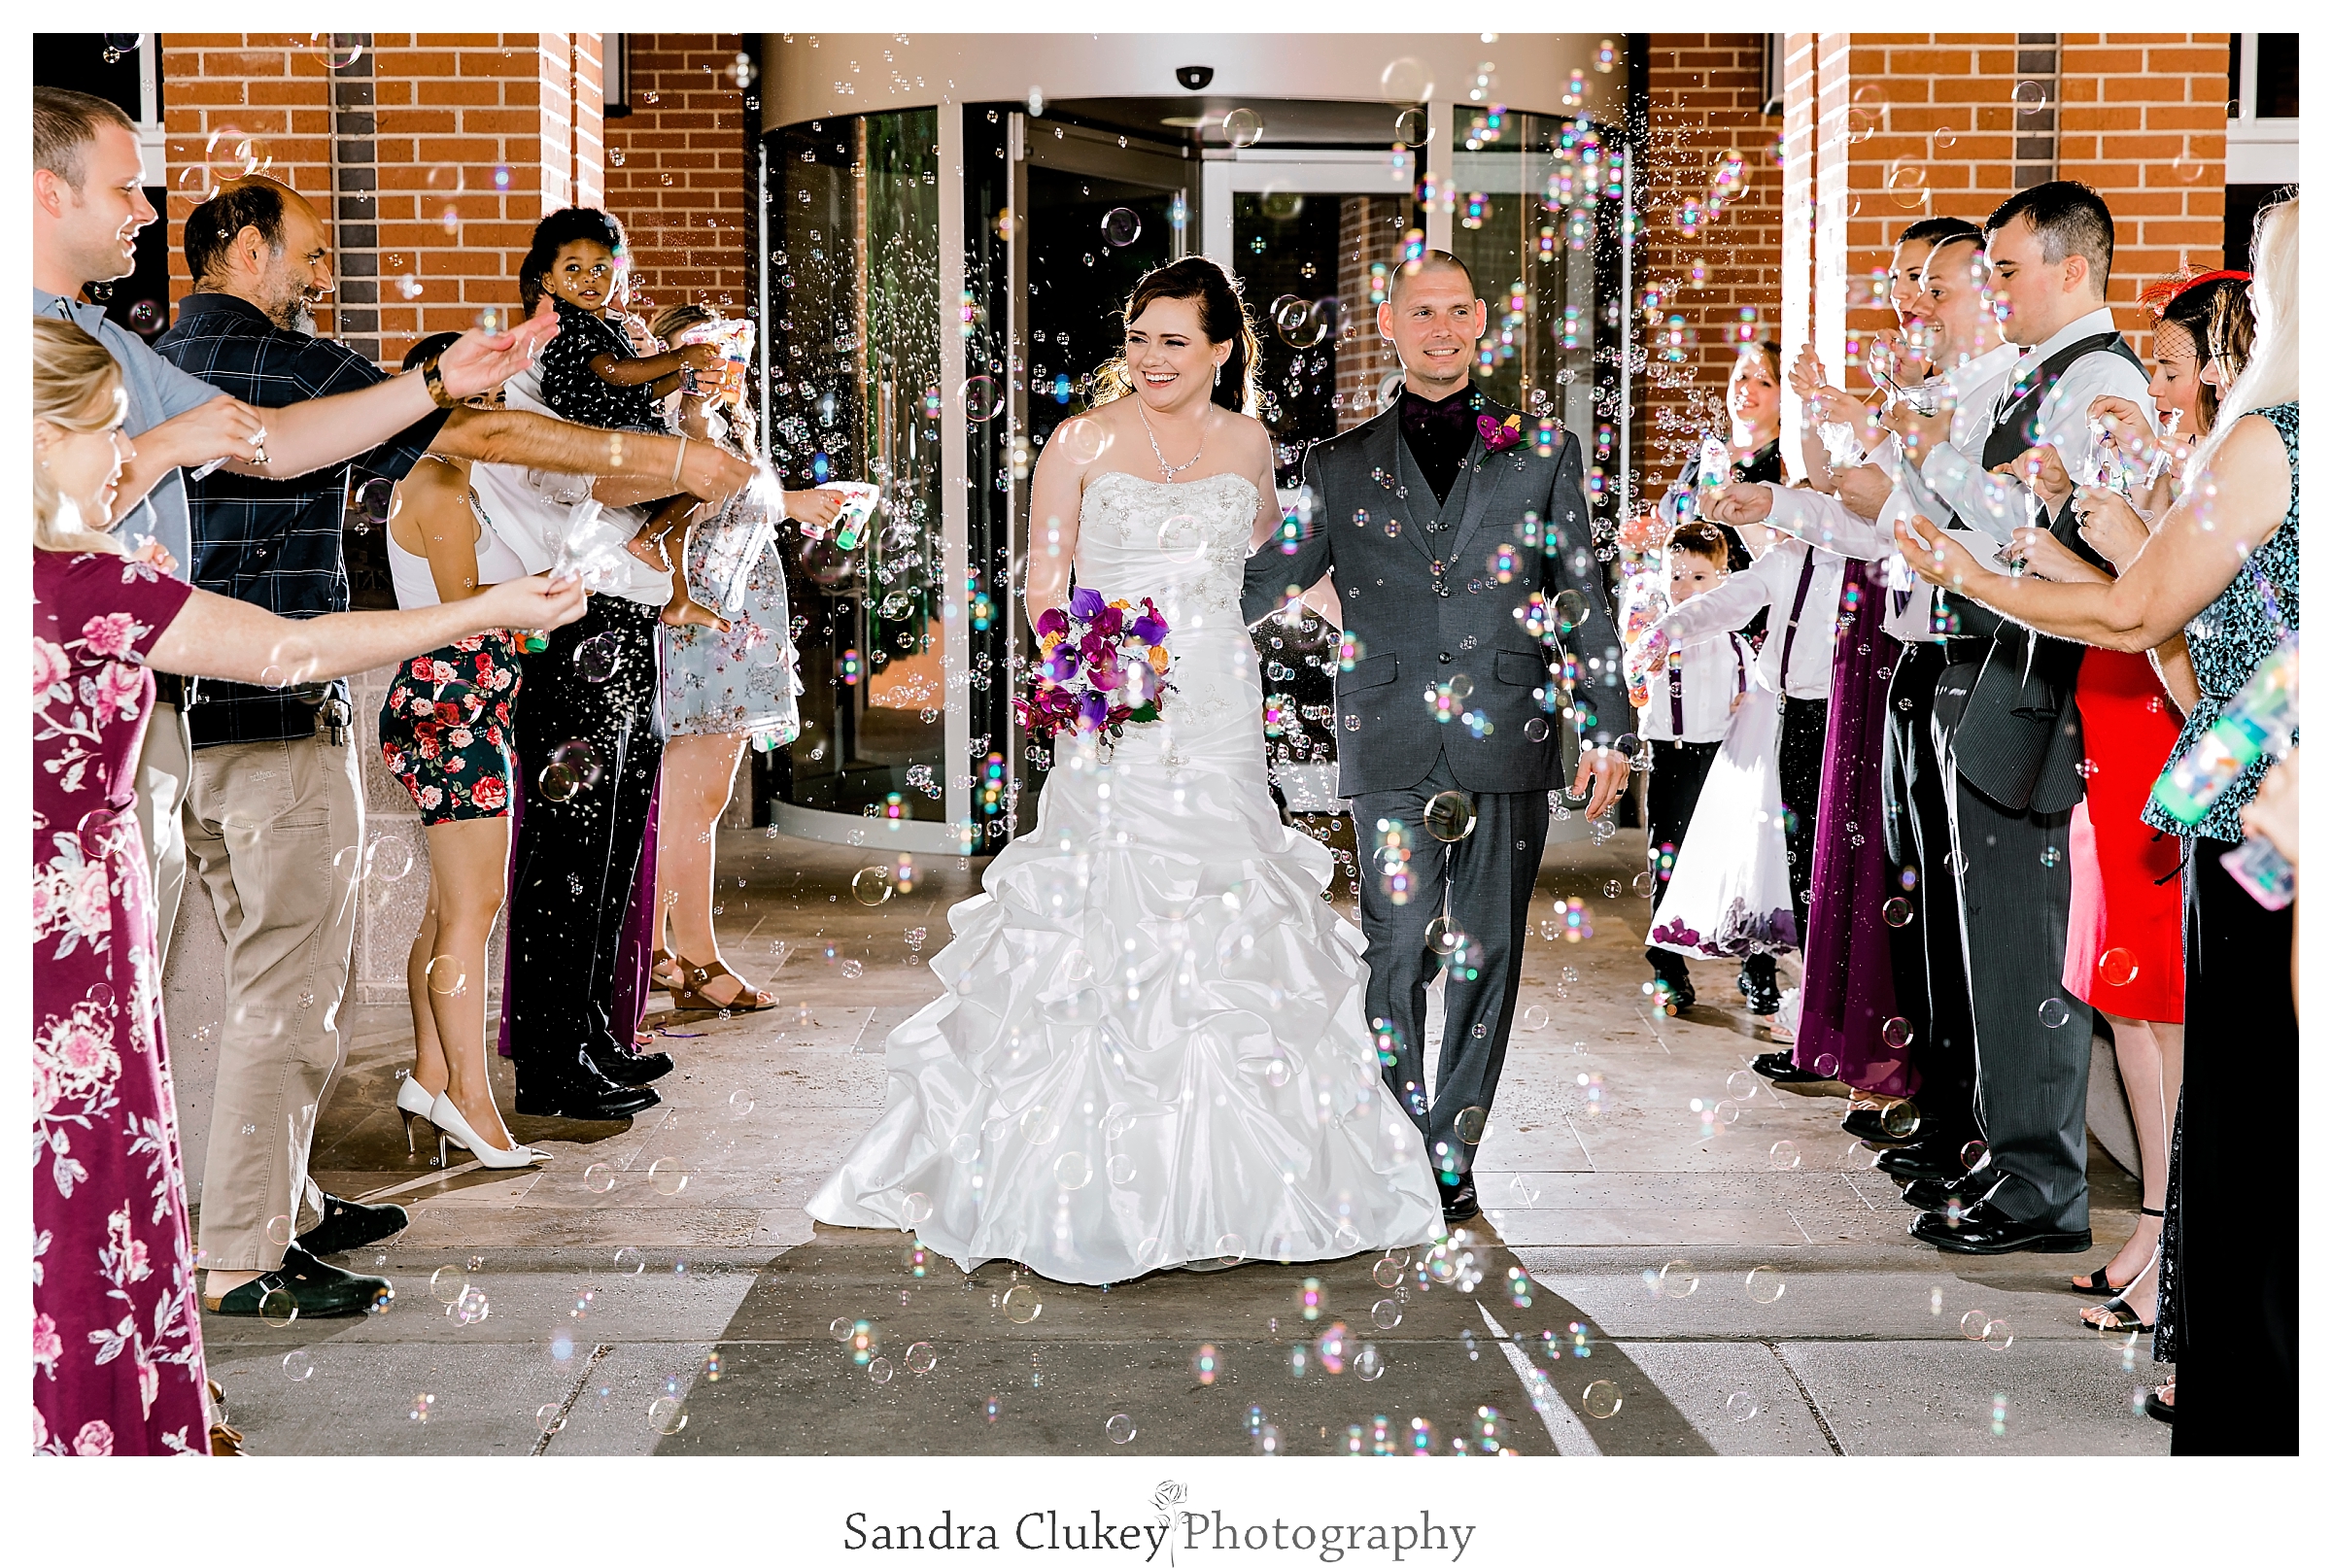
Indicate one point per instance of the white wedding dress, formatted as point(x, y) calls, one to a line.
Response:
point(1151, 1051)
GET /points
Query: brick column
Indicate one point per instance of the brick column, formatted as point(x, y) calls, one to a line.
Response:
point(1710, 246)
point(676, 174)
point(2146, 122)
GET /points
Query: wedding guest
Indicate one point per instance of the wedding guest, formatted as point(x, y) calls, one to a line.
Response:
point(1684, 701)
point(274, 816)
point(445, 733)
point(2224, 566)
point(2009, 734)
point(2123, 953)
point(117, 1363)
point(1800, 586)
point(722, 689)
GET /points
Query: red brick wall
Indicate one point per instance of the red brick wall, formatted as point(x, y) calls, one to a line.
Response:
point(499, 127)
point(2146, 122)
point(680, 187)
point(1706, 93)
point(221, 87)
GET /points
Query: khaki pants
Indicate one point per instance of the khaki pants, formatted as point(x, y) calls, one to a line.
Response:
point(163, 769)
point(274, 830)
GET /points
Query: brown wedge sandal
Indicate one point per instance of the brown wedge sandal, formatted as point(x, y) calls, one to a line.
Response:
point(690, 998)
point(658, 958)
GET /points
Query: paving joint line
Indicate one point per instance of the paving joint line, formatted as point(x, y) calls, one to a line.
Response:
point(542, 1443)
point(1806, 1394)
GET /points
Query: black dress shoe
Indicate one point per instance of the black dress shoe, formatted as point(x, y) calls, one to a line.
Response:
point(1985, 1230)
point(315, 1287)
point(1869, 1123)
point(1937, 1194)
point(1776, 1067)
point(1670, 995)
point(584, 1099)
point(1457, 1202)
point(1763, 992)
point(631, 1068)
point(1923, 1161)
point(347, 1226)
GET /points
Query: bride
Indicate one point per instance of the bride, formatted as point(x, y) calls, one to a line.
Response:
point(1151, 1051)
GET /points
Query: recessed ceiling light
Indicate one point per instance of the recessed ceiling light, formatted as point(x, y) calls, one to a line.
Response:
point(1190, 121)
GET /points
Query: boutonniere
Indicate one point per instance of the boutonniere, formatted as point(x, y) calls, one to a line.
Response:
point(1496, 436)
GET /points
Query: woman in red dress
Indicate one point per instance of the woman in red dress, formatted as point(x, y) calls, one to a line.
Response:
point(116, 1344)
point(2124, 952)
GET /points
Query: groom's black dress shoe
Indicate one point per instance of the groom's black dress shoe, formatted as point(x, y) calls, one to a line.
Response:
point(631, 1068)
point(1457, 1202)
point(1869, 1124)
point(1985, 1230)
point(347, 1226)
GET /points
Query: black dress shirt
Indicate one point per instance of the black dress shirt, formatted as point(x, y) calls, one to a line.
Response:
point(273, 543)
point(1439, 435)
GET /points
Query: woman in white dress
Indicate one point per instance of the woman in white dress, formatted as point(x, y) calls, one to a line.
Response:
point(1151, 1051)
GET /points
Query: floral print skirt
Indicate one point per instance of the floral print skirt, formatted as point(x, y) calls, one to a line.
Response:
point(445, 729)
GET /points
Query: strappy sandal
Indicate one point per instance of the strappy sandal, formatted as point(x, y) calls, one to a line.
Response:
point(2096, 1283)
point(2119, 1317)
point(690, 998)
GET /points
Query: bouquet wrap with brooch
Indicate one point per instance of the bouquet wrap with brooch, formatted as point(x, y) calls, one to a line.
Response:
point(1100, 665)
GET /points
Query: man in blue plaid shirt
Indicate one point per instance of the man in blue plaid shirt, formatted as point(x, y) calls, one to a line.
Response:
point(274, 814)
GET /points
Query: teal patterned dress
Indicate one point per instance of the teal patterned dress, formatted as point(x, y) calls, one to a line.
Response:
point(2233, 637)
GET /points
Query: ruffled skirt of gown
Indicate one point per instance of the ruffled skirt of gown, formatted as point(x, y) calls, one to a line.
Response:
point(1152, 1049)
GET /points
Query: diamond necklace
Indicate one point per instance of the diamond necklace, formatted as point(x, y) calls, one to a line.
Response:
point(1169, 472)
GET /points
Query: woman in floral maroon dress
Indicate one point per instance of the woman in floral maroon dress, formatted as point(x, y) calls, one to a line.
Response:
point(116, 1348)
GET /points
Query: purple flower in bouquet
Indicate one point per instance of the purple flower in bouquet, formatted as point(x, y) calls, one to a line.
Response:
point(1102, 664)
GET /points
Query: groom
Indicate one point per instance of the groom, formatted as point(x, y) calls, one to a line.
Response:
point(1461, 549)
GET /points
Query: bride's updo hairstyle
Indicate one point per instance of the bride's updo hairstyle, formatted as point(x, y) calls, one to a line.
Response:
point(1221, 317)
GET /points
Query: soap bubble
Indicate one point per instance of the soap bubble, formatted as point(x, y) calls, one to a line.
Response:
point(741, 1103)
point(1896, 1033)
point(841, 1329)
point(599, 1177)
point(872, 885)
point(2054, 1014)
point(1412, 128)
point(446, 1284)
point(278, 1230)
point(1242, 127)
point(1742, 1085)
point(1472, 1123)
point(980, 397)
point(1369, 1363)
point(1536, 1017)
point(1677, 1279)
point(1450, 815)
point(1783, 1156)
point(1974, 1155)
point(1385, 1313)
point(2117, 966)
point(1020, 1303)
point(1120, 1428)
point(629, 1260)
point(1899, 1119)
point(880, 1370)
point(1827, 1065)
point(1122, 225)
point(920, 1357)
point(548, 1421)
point(1442, 937)
point(667, 1416)
point(668, 1176)
point(1741, 1406)
point(915, 1210)
point(1896, 912)
point(277, 1308)
point(1405, 81)
point(2030, 97)
point(1389, 1271)
point(1600, 1399)
point(1764, 1285)
point(1071, 1170)
point(1998, 1334)
point(299, 1366)
point(1971, 1323)
point(379, 501)
point(1535, 727)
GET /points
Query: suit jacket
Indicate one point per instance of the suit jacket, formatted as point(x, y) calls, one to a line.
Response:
point(1514, 529)
point(2020, 740)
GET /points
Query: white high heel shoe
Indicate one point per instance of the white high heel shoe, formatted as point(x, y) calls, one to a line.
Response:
point(413, 1104)
point(452, 1127)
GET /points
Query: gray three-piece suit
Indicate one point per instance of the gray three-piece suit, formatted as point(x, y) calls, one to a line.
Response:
point(1436, 594)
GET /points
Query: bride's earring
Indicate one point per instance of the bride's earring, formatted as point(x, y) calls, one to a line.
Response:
point(1218, 375)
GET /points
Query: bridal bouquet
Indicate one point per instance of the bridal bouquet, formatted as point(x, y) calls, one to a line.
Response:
point(1102, 665)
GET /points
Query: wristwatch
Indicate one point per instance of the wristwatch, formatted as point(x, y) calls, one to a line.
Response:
point(434, 380)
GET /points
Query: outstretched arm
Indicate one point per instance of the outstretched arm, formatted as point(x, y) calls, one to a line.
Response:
point(225, 637)
point(1275, 575)
point(2229, 511)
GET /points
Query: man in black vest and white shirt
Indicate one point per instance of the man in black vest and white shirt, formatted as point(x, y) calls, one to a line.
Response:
point(2009, 734)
